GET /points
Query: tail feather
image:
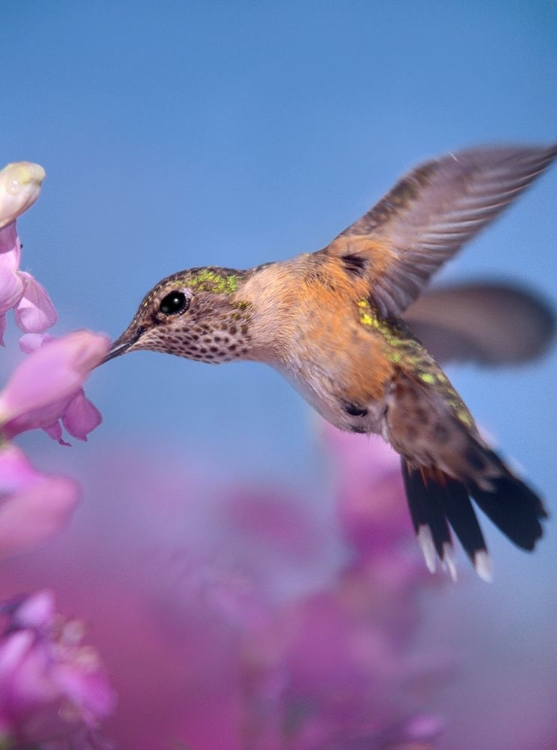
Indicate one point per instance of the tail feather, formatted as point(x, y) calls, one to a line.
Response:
point(426, 503)
point(513, 508)
point(437, 501)
point(464, 522)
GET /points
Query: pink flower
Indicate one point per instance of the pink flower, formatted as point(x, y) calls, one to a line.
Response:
point(34, 312)
point(33, 506)
point(47, 386)
point(11, 284)
point(371, 502)
point(52, 688)
point(20, 186)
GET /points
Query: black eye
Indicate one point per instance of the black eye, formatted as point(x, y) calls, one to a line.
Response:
point(174, 303)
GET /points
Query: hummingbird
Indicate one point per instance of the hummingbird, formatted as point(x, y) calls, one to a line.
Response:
point(349, 326)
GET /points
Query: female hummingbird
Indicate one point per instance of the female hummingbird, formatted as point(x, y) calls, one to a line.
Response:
point(344, 325)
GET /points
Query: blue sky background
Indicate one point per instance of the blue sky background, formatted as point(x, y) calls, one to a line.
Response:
point(179, 134)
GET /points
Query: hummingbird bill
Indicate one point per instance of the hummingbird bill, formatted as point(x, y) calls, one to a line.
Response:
point(353, 328)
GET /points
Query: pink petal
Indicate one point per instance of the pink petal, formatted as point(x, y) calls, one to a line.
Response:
point(35, 312)
point(16, 471)
point(30, 342)
point(54, 431)
point(44, 418)
point(79, 421)
point(36, 611)
point(10, 247)
point(20, 186)
point(12, 652)
point(36, 514)
point(3, 324)
point(52, 373)
point(81, 416)
point(11, 289)
point(11, 284)
point(87, 691)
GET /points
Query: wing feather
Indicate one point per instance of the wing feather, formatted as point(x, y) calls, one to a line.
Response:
point(430, 213)
point(487, 323)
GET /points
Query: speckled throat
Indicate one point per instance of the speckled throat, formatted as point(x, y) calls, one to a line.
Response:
point(213, 343)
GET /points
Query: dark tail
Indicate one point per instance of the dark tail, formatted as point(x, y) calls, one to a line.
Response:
point(438, 503)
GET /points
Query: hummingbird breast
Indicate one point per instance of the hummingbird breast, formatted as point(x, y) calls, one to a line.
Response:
point(308, 327)
point(342, 375)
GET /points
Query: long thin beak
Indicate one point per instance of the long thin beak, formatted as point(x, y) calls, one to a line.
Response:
point(123, 343)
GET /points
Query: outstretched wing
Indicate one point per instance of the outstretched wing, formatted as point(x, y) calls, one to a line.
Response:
point(487, 323)
point(429, 214)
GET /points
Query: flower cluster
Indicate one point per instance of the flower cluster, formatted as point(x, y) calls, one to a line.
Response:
point(20, 186)
point(45, 388)
point(51, 687)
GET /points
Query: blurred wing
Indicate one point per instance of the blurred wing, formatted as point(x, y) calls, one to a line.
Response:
point(429, 214)
point(486, 323)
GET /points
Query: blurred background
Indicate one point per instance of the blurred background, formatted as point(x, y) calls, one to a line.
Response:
point(179, 134)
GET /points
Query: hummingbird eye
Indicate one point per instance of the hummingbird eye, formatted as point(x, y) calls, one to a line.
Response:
point(174, 303)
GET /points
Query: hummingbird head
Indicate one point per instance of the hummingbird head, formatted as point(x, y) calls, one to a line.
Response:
point(196, 314)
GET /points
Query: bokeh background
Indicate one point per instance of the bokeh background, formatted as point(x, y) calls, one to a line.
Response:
point(178, 134)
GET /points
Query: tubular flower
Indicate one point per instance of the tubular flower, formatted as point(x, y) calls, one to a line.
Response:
point(47, 387)
point(44, 388)
point(33, 506)
point(20, 186)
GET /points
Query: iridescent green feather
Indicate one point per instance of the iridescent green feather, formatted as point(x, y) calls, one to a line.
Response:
point(406, 351)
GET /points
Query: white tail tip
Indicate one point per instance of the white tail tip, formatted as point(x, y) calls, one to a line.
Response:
point(428, 547)
point(482, 563)
point(449, 560)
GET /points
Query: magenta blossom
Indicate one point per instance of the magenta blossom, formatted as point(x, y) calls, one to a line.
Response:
point(47, 386)
point(74, 412)
point(33, 506)
point(372, 508)
point(20, 186)
point(52, 687)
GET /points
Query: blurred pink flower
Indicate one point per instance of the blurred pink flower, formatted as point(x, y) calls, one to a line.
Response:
point(34, 312)
point(52, 688)
point(371, 501)
point(219, 632)
point(33, 506)
point(47, 386)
